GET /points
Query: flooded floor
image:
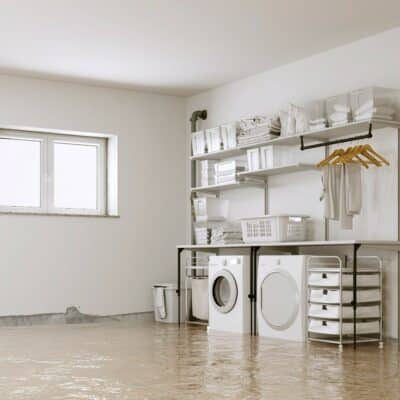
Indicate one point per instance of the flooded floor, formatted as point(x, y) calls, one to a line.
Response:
point(144, 360)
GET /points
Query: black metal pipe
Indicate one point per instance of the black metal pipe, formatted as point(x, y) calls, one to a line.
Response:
point(199, 114)
point(344, 140)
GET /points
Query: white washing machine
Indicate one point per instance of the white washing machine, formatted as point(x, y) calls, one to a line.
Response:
point(229, 287)
point(282, 297)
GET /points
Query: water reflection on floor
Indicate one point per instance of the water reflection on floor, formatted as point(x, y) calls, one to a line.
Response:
point(145, 360)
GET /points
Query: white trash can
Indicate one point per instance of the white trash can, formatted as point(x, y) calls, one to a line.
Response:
point(200, 298)
point(165, 300)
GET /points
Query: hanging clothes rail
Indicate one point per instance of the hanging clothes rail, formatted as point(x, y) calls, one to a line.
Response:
point(344, 140)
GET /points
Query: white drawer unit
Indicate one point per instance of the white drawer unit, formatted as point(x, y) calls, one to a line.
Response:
point(328, 327)
point(330, 311)
point(333, 315)
point(345, 296)
point(332, 279)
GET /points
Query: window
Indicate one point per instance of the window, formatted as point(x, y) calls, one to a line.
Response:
point(52, 173)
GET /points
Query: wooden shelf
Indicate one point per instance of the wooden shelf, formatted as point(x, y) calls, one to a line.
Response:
point(287, 169)
point(226, 186)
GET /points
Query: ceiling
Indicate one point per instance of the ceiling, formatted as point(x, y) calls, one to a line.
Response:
point(176, 47)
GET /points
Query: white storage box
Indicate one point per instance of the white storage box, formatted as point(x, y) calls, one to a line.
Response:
point(207, 172)
point(198, 143)
point(165, 300)
point(332, 296)
point(253, 159)
point(274, 228)
point(200, 298)
point(213, 139)
point(229, 133)
point(375, 102)
point(333, 327)
point(316, 114)
point(338, 109)
point(333, 311)
point(332, 279)
point(210, 209)
point(230, 167)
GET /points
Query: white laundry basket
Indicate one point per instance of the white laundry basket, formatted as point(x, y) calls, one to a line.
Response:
point(200, 298)
point(165, 300)
point(274, 228)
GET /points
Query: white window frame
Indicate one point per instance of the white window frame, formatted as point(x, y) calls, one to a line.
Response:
point(47, 142)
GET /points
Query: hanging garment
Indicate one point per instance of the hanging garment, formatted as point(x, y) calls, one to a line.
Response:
point(346, 220)
point(353, 188)
point(341, 193)
point(331, 191)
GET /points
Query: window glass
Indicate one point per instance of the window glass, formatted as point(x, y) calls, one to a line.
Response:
point(75, 176)
point(19, 172)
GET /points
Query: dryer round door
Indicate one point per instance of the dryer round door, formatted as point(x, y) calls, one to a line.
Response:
point(279, 298)
point(224, 291)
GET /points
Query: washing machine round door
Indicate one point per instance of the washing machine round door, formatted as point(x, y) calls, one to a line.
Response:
point(224, 291)
point(279, 299)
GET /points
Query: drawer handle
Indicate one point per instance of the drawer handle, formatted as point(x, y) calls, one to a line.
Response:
point(325, 292)
point(324, 323)
point(324, 307)
point(324, 276)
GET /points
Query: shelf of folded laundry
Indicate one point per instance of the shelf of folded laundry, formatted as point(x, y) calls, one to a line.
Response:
point(336, 132)
point(228, 186)
point(323, 135)
point(286, 169)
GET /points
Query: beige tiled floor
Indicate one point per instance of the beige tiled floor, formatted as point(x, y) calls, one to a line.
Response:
point(144, 360)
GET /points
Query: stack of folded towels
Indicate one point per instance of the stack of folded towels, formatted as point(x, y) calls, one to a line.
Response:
point(227, 233)
point(207, 172)
point(374, 109)
point(341, 115)
point(258, 130)
point(202, 235)
point(225, 171)
point(318, 124)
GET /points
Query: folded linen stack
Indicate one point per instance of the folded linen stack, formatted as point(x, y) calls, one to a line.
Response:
point(202, 235)
point(258, 130)
point(318, 124)
point(370, 109)
point(227, 234)
point(207, 172)
point(225, 171)
point(340, 115)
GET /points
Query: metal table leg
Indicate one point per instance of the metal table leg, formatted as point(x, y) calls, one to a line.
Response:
point(355, 250)
point(178, 291)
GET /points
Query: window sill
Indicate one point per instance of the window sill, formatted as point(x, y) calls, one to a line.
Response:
point(58, 214)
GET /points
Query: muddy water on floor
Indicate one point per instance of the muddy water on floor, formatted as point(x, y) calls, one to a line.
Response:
point(145, 360)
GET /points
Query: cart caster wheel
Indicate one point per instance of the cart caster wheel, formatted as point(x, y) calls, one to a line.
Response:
point(340, 348)
point(381, 345)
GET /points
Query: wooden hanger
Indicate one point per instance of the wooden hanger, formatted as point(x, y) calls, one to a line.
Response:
point(327, 160)
point(371, 150)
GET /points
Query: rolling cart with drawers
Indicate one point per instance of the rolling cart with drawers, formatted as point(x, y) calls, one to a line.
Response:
point(334, 316)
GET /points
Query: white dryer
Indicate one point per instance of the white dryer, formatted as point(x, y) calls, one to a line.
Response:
point(229, 287)
point(282, 297)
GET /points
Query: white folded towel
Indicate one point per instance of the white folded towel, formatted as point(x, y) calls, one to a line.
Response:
point(341, 108)
point(383, 110)
point(369, 104)
point(362, 117)
point(339, 116)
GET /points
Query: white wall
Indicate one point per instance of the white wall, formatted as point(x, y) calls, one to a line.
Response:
point(102, 265)
point(372, 61)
